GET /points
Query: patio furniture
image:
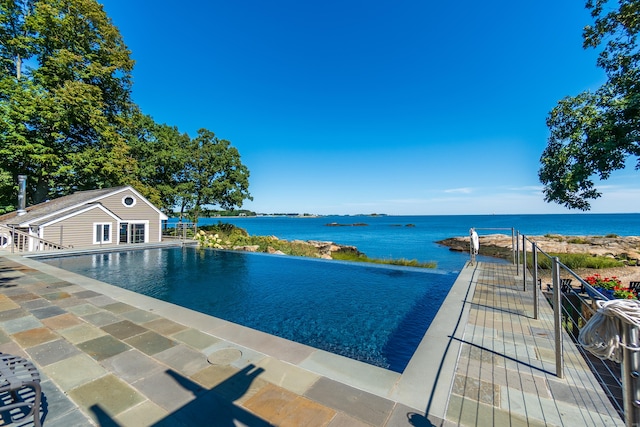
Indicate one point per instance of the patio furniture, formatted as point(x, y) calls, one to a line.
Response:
point(634, 286)
point(16, 376)
point(565, 286)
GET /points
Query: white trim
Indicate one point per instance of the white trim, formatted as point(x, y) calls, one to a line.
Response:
point(129, 197)
point(94, 200)
point(93, 231)
point(145, 222)
point(87, 209)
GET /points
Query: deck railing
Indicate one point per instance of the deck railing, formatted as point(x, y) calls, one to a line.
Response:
point(19, 241)
point(573, 302)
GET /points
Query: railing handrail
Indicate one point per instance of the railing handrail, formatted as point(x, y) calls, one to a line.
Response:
point(570, 316)
point(46, 244)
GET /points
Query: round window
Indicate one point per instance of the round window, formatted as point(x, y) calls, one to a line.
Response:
point(128, 201)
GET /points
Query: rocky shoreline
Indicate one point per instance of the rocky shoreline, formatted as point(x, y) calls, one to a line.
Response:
point(624, 248)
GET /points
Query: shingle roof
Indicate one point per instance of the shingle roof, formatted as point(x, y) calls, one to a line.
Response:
point(56, 206)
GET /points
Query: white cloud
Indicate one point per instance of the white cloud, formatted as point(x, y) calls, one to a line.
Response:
point(463, 190)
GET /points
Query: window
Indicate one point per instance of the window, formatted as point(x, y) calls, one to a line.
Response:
point(102, 233)
point(133, 232)
point(128, 201)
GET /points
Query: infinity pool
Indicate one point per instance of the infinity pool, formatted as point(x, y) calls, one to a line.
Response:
point(377, 315)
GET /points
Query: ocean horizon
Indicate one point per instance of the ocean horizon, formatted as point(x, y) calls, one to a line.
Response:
point(415, 236)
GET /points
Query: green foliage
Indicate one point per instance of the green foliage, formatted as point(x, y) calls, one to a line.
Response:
point(578, 241)
point(576, 261)
point(67, 120)
point(214, 174)
point(63, 114)
point(592, 134)
point(350, 256)
point(226, 236)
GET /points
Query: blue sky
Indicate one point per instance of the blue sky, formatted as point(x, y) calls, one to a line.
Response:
point(349, 107)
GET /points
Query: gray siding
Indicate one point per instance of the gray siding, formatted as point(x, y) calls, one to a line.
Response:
point(79, 231)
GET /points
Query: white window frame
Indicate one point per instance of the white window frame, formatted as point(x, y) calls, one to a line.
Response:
point(132, 204)
point(97, 240)
point(144, 222)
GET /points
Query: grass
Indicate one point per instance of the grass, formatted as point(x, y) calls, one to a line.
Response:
point(576, 261)
point(350, 256)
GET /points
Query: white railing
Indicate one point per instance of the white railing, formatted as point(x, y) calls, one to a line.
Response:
point(19, 241)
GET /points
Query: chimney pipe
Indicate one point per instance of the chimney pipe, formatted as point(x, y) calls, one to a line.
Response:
point(22, 194)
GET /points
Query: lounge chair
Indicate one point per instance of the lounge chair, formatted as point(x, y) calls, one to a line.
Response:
point(17, 373)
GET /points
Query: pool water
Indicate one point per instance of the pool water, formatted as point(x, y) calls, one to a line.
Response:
point(374, 314)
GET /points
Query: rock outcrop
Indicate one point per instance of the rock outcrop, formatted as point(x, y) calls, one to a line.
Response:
point(625, 248)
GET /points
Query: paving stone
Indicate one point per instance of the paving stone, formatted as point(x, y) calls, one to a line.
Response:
point(183, 359)
point(7, 304)
point(145, 414)
point(139, 316)
point(62, 321)
point(52, 352)
point(86, 294)
point(110, 394)
point(58, 295)
point(214, 375)
point(36, 303)
point(81, 333)
point(284, 408)
point(103, 347)
point(132, 365)
point(286, 375)
point(20, 324)
point(102, 301)
point(164, 326)
point(403, 416)
point(13, 314)
point(83, 309)
point(43, 313)
point(115, 307)
point(32, 337)
point(209, 409)
point(150, 342)
point(124, 329)
point(4, 338)
point(101, 318)
point(74, 371)
point(195, 338)
point(57, 403)
point(168, 389)
point(242, 385)
point(74, 418)
point(356, 403)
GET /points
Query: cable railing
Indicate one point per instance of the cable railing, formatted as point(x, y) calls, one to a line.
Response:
point(574, 302)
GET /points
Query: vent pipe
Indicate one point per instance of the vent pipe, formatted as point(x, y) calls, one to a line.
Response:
point(22, 194)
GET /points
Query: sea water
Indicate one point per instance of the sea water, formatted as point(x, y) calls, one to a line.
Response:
point(416, 237)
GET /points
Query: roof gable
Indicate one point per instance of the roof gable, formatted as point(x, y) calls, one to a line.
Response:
point(47, 211)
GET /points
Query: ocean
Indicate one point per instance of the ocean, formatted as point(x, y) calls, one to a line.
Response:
point(415, 237)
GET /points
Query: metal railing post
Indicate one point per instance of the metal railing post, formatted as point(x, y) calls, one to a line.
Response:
point(513, 244)
point(557, 317)
point(524, 263)
point(518, 254)
point(13, 238)
point(534, 273)
point(630, 373)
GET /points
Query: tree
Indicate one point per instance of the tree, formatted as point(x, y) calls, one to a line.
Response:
point(214, 175)
point(161, 152)
point(65, 83)
point(594, 134)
